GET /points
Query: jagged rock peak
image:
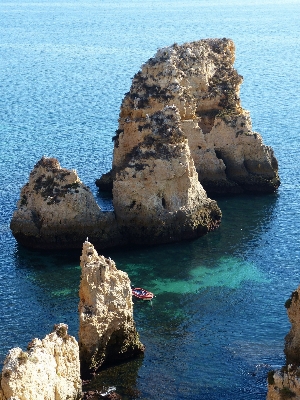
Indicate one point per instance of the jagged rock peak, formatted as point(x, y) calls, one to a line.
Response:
point(107, 331)
point(49, 369)
point(200, 80)
point(156, 192)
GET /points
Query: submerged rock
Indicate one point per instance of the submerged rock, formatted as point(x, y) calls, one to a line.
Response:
point(48, 370)
point(200, 80)
point(56, 210)
point(156, 194)
point(285, 383)
point(107, 332)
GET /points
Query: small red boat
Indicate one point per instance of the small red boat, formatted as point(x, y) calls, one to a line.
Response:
point(141, 293)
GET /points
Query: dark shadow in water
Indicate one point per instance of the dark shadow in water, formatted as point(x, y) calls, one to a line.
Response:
point(121, 378)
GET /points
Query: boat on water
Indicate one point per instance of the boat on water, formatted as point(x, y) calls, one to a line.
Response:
point(141, 293)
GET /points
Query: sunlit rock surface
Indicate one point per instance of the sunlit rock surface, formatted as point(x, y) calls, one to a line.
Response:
point(156, 193)
point(285, 384)
point(200, 80)
point(48, 370)
point(107, 332)
point(56, 210)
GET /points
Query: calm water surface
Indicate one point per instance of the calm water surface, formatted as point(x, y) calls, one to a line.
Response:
point(217, 323)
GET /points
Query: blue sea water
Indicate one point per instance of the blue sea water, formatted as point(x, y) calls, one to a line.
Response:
point(217, 323)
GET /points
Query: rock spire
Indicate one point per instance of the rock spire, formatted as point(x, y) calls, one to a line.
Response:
point(107, 331)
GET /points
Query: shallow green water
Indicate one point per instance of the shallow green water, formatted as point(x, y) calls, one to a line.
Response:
point(217, 323)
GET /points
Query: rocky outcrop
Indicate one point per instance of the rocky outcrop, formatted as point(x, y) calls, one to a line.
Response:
point(107, 331)
point(200, 80)
point(156, 194)
point(48, 370)
point(285, 384)
point(56, 210)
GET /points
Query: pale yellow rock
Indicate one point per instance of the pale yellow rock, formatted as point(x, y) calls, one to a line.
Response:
point(56, 210)
point(49, 370)
point(200, 80)
point(157, 193)
point(107, 331)
point(285, 384)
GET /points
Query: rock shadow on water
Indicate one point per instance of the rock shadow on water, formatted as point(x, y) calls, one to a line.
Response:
point(121, 379)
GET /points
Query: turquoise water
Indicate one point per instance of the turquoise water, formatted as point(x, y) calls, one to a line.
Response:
point(217, 323)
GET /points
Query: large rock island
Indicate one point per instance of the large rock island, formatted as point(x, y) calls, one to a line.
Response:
point(200, 80)
point(182, 132)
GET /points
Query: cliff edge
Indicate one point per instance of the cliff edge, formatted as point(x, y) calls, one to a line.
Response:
point(285, 383)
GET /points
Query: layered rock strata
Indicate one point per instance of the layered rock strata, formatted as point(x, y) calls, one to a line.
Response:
point(107, 331)
point(156, 193)
point(285, 384)
point(48, 370)
point(56, 210)
point(200, 80)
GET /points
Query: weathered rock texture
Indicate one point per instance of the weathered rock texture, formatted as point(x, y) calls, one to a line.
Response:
point(285, 384)
point(107, 331)
point(48, 370)
point(156, 193)
point(56, 210)
point(199, 79)
point(157, 198)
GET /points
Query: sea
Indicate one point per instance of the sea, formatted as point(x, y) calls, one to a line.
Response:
point(217, 323)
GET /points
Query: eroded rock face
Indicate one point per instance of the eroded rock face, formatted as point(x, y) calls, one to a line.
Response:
point(107, 331)
point(48, 370)
point(199, 79)
point(156, 194)
point(285, 384)
point(56, 210)
point(292, 339)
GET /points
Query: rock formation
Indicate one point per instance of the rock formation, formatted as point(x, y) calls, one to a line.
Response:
point(199, 79)
point(181, 123)
point(107, 331)
point(156, 193)
point(56, 210)
point(48, 370)
point(285, 384)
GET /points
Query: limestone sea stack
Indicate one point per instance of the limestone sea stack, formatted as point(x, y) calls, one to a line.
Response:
point(200, 80)
point(157, 198)
point(285, 383)
point(48, 370)
point(156, 193)
point(56, 210)
point(107, 332)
